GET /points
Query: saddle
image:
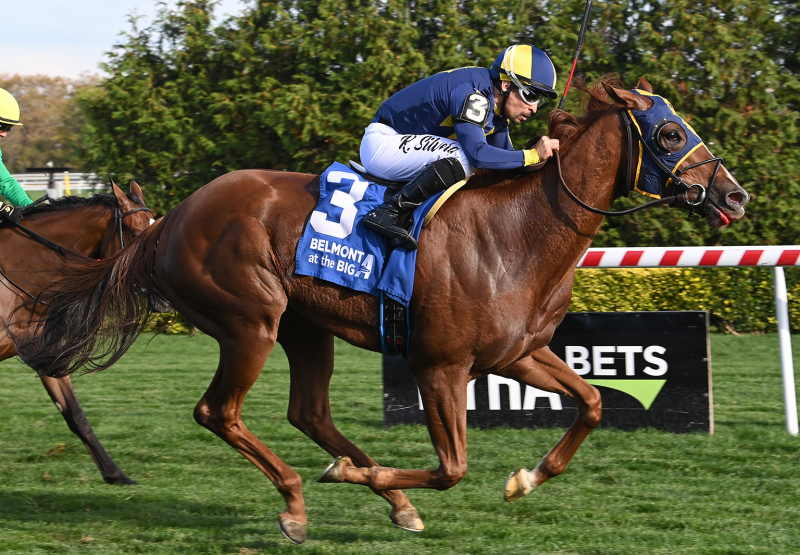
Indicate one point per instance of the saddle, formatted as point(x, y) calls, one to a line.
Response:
point(392, 187)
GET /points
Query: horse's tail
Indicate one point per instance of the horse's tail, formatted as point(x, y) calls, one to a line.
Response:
point(90, 316)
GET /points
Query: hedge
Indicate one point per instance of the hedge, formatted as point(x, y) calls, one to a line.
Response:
point(740, 300)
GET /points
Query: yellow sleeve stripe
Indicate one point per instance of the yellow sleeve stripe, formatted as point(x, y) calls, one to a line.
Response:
point(531, 157)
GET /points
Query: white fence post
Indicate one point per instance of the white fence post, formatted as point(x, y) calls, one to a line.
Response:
point(775, 256)
point(787, 365)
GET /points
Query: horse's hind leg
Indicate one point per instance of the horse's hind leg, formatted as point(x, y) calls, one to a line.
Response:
point(63, 395)
point(220, 410)
point(546, 371)
point(310, 354)
point(444, 396)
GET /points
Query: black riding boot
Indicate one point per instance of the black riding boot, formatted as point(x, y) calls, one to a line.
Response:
point(391, 218)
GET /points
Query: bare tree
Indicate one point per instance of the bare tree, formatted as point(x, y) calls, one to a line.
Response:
point(52, 123)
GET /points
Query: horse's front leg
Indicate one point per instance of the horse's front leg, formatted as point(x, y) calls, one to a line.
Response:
point(63, 395)
point(444, 395)
point(544, 370)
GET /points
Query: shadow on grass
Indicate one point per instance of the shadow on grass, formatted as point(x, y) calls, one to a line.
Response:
point(143, 511)
point(144, 516)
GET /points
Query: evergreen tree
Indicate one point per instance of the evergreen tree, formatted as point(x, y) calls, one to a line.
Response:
point(291, 85)
point(288, 85)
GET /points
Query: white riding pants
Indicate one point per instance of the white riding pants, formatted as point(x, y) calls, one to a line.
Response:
point(387, 154)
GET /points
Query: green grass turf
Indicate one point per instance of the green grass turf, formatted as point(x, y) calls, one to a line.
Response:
point(644, 492)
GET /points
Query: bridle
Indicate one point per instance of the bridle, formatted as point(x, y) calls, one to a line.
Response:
point(119, 215)
point(699, 205)
point(63, 251)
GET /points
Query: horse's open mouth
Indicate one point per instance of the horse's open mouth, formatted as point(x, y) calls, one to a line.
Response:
point(722, 219)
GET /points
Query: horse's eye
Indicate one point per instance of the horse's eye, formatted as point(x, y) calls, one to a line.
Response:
point(671, 139)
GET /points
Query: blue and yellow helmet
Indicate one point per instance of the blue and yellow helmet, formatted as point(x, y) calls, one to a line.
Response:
point(527, 67)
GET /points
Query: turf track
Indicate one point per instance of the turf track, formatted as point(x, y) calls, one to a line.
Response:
point(644, 492)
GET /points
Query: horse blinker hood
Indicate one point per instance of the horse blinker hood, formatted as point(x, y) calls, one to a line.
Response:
point(650, 179)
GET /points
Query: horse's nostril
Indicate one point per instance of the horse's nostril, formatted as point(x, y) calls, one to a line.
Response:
point(735, 198)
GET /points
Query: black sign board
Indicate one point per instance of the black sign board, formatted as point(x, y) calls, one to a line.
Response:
point(652, 369)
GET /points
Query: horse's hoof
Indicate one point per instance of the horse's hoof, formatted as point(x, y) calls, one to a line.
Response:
point(119, 479)
point(335, 471)
point(292, 530)
point(408, 520)
point(519, 484)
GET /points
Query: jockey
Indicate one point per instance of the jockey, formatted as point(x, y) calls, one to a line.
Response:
point(450, 124)
point(9, 187)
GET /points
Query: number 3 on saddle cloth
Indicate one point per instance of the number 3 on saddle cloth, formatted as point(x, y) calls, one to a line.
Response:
point(336, 247)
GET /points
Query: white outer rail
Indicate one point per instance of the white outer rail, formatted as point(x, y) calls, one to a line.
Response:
point(63, 182)
point(775, 257)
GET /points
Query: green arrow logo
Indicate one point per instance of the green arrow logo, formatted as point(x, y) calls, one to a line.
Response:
point(644, 391)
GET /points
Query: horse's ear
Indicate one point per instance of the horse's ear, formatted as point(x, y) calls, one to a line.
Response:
point(644, 85)
point(136, 190)
point(627, 99)
point(122, 198)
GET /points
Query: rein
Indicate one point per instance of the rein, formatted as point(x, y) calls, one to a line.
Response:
point(63, 251)
point(39, 238)
point(45, 241)
point(9, 280)
point(682, 197)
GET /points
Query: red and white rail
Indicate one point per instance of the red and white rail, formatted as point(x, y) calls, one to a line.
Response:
point(674, 257)
point(775, 257)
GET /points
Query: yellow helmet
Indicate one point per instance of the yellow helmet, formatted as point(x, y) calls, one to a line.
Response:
point(9, 109)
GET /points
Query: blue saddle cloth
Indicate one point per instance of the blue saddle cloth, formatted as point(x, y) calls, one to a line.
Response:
point(336, 246)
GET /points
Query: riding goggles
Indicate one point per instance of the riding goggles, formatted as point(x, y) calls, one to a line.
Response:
point(6, 127)
point(532, 97)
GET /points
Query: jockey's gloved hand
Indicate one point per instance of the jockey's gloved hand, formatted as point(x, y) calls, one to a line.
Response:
point(545, 148)
point(10, 212)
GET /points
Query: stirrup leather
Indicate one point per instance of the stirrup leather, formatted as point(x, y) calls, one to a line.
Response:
point(393, 218)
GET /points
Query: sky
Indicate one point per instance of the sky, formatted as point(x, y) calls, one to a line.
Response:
point(69, 37)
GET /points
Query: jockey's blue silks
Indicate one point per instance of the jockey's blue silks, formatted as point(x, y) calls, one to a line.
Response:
point(650, 179)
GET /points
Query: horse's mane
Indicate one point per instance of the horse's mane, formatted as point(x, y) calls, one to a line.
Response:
point(594, 102)
point(65, 203)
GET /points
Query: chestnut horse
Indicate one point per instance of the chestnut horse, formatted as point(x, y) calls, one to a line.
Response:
point(493, 281)
point(96, 227)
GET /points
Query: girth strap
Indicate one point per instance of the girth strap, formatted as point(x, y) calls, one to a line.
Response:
point(394, 327)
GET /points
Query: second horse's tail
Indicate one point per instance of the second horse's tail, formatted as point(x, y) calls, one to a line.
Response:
point(95, 311)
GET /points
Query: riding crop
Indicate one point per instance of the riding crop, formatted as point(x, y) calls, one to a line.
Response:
point(581, 36)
